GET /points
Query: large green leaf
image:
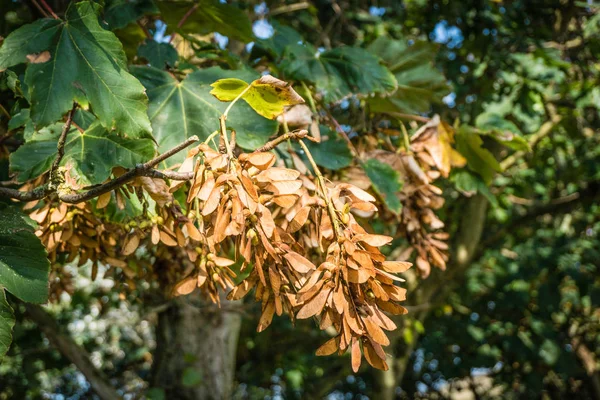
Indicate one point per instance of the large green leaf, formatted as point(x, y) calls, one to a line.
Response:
point(419, 83)
point(386, 182)
point(179, 110)
point(501, 130)
point(91, 154)
point(87, 64)
point(479, 159)
point(7, 322)
point(158, 55)
point(339, 72)
point(24, 266)
point(120, 13)
point(207, 16)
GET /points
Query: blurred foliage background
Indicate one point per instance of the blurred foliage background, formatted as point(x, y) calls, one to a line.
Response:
point(522, 320)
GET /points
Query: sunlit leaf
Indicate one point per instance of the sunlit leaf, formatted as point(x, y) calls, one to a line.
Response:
point(479, 159)
point(267, 95)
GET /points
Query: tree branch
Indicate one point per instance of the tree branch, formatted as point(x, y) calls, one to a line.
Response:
point(146, 169)
point(303, 134)
point(72, 352)
point(140, 170)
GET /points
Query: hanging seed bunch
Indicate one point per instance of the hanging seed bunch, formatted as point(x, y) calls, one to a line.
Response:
point(353, 287)
point(431, 156)
point(231, 201)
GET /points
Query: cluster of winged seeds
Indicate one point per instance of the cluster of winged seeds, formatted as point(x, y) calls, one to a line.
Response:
point(258, 225)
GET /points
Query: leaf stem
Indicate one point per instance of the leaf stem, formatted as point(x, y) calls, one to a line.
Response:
point(60, 148)
point(239, 96)
point(184, 18)
point(337, 231)
point(311, 101)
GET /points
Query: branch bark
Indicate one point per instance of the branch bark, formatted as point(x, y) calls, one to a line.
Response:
point(146, 169)
point(72, 352)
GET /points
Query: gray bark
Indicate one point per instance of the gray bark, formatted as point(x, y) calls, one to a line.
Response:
point(193, 335)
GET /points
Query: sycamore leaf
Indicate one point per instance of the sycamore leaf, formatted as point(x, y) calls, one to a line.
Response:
point(87, 64)
point(7, 322)
point(502, 130)
point(339, 72)
point(158, 55)
point(90, 155)
point(24, 267)
point(179, 110)
point(420, 84)
point(207, 16)
point(386, 182)
point(120, 13)
point(267, 95)
point(469, 183)
point(479, 159)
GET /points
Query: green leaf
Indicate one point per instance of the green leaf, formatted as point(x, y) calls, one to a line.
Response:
point(339, 72)
point(91, 155)
point(24, 267)
point(179, 110)
point(479, 159)
point(207, 16)
point(502, 130)
point(120, 13)
point(7, 322)
point(267, 95)
point(87, 63)
point(158, 54)
point(332, 153)
point(469, 183)
point(386, 182)
point(282, 37)
point(420, 84)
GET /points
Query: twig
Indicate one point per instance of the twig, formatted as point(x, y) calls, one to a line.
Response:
point(544, 131)
point(40, 8)
point(341, 131)
point(184, 18)
point(146, 32)
point(35, 194)
point(411, 117)
point(146, 169)
point(49, 9)
point(290, 8)
point(297, 135)
point(337, 231)
point(60, 147)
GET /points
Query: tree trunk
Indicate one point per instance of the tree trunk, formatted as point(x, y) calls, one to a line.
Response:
point(196, 346)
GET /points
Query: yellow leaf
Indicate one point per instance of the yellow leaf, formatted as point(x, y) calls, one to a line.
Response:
point(268, 96)
point(228, 89)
